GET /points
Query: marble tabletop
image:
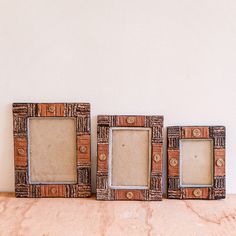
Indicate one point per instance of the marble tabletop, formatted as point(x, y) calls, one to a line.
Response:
point(49, 217)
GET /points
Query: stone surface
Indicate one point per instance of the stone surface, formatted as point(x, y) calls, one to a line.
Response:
point(46, 217)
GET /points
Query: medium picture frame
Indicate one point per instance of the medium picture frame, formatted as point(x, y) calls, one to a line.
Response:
point(200, 152)
point(77, 115)
point(144, 137)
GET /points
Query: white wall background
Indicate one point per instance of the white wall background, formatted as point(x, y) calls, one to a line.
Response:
point(176, 58)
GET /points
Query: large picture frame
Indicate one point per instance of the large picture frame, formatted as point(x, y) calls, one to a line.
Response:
point(22, 112)
point(105, 125)
point(214, 134)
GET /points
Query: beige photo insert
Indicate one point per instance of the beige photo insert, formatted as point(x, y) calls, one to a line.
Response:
point(129, 152)
point(196, 162)
point(52, 150)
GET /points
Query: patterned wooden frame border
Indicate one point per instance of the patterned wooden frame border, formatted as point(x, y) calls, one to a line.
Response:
point(217, 134)
point(105, 122)
point(81, 112)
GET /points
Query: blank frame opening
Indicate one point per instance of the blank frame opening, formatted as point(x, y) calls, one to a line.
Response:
point(52, 150)
point(129, 158)
point(196, 162)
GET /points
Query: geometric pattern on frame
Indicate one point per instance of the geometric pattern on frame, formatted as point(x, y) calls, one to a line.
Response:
point(105, 125)
point(216, 134)
point(78, 111)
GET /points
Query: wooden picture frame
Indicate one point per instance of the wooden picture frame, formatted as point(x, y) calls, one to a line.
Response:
point(80, 112)
point(215, 134)
point(105, 125)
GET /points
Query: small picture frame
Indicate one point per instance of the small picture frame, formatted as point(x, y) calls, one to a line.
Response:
point(129, 157)
point(52, 149)
point(196, 162)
